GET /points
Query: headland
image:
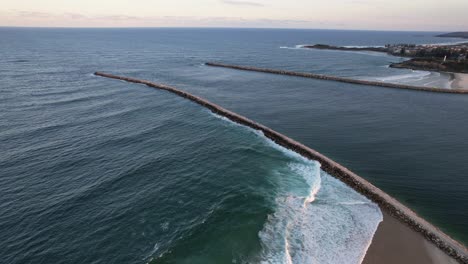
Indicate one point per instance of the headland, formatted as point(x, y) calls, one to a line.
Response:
point(426, 64)
point(330, 47)
point(402, 215)
point(460, 34)
point(430, 57)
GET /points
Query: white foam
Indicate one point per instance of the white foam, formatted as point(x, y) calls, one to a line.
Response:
point(368, 53)
point(371, 53)
point(318, 219)
point(259, 133)
point(360, 47)
point(422, 78)
point(413, 75)
point(330, 230)
point(311, 174)
point(351, 46)
point(295, 47)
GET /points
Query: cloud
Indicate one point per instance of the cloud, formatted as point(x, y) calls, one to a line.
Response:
point(75, 16)
point(119, 17)
point(32, 14)
point(25, 18)
point(242, 3)
point(178, 21)
point(44, 15)
point(68, 19)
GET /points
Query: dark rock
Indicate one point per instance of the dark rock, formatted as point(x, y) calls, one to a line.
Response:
point(329, 47)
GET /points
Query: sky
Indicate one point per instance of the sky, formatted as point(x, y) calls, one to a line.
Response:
point(424, 15)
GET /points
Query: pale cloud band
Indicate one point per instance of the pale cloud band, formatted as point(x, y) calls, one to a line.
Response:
point(429, 15)
point(244, 3)
point(80, 20)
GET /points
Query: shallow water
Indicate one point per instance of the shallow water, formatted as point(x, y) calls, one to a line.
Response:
point(97, 171)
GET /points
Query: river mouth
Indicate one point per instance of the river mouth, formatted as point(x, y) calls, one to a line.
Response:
point(87, 163)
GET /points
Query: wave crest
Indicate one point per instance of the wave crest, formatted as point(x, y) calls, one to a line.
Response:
point(326, 223)
point(317, 218)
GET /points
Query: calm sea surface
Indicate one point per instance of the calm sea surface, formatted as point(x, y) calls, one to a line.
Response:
point(101, 171)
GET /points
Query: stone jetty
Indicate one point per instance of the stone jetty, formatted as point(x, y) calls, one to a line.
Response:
point(385, 201)
point(339, 79)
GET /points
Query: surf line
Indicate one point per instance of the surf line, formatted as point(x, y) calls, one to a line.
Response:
point(385, 201)
point(338, 79)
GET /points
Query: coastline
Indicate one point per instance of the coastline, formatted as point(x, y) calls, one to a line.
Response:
point(428, 64)
point(460, 81)
point(418, 57)
point(392, 236)
point(396, 212)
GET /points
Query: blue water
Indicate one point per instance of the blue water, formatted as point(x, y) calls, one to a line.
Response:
point(100, 171)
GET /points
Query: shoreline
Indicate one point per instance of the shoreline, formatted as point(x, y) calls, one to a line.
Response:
point(393, 236)
point(460, 81)
point(425, 64)
point(396, 210)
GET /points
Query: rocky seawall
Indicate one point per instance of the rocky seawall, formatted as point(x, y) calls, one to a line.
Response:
point(386, 202)
point(339, 79)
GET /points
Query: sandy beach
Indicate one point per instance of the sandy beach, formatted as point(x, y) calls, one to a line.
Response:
point(460, 81)
point(395, 242)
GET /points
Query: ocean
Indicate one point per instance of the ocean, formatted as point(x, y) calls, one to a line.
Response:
point(94, 170)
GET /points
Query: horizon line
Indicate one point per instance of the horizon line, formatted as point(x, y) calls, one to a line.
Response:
point(224, 27)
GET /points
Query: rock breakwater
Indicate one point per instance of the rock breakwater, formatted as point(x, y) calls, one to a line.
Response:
point(386, 202)
point(339, 79)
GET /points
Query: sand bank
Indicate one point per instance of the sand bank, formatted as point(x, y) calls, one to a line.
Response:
point(395, 242)
point(388, 204)
point(460, 81)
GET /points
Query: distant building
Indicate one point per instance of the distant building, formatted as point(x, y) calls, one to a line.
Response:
point(461, 57)
point(411, 52)
point(445, 52)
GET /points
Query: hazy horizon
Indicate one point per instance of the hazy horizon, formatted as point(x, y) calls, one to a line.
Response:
point(396, 15)
point(227, 27)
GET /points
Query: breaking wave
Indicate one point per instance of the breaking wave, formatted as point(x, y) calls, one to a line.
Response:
point(317, 218)
point(414, 76)
point(421, 78)
point(294, 47)
point(330, 224)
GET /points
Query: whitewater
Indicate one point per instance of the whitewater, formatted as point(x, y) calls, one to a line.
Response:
point(317, 218)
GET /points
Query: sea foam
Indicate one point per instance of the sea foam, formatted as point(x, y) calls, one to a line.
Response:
point(416, 77)
point(332, 224)
point(317, 218)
